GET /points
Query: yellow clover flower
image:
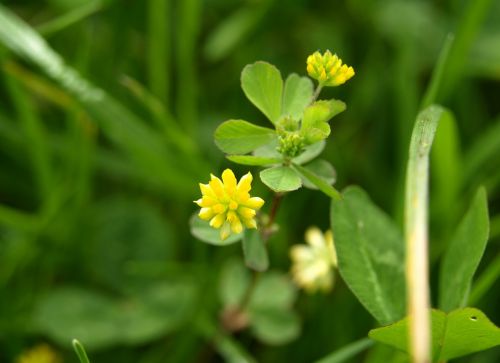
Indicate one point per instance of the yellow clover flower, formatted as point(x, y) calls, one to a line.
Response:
point(39, 354)
point(328, 69)
point(313, 264)
point(227, 204)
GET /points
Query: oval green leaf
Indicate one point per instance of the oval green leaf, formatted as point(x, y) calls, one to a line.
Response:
point(281, 179)
point(254, 250)
point(241, 137)
point(296, 96)
point(263, 86)
point(370, 249)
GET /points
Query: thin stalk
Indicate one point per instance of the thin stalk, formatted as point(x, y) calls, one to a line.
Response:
point(416, 233)
point(316, 93)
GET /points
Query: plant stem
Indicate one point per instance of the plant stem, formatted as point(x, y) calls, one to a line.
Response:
point(317, 91)
point(416, 233)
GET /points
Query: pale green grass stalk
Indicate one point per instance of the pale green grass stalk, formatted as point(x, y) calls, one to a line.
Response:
point(416, 233)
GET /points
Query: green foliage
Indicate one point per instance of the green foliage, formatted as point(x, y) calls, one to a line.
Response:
point(319, 175)
point(455, 334)
point(254, 250)
point(253, 160)
point(297, 95)
point(101, 321)
point(281, 179)
point(202, 230)
point(263, 86)
point(270, 314)
point(463, 254)
point(241, 137)
point(369, 250)
point(80, 351)
point(315, 125)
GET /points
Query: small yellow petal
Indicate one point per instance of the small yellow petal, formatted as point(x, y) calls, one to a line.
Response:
point(229, 181)
point(250, 223)
point(225, 231)
point(236, 225)
point(217, 186)
point(206, 190)
point(219, 208)
point(254, 203)
point(206, 213)
point(246, 213)
point(217, 221)
point(245, 183)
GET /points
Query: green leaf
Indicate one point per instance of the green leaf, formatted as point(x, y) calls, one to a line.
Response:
point(323, 170)
point(101, 321)
point(233, 282)
point(297, 95)
point(254, 160)
point(315, 125)
point(254, 250)
point(268, 150)
point(241, 137)
point(456, 334)
point(123, 232)
point(321, 183)
point(265, 296)
point(309, 153)
point(281, 179)
point(370, 249)
point(463, 254)
point(275, 326)
point(263, 86)
point(201, 229)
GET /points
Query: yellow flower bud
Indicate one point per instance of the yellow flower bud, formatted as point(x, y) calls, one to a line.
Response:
point(328, 69)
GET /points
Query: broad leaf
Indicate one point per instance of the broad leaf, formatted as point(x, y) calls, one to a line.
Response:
point(463, 254)
point(296, 96)
point(254, 250)
point(265, 296)
point(263, 86)
point(201, 229)
point(370, 249)
point(281, 179)
point(254, 160)
point(234, 282)
point(241, 137)
point(319, 181)
point(456, 334)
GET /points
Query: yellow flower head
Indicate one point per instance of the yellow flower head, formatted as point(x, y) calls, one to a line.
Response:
point(39, 354)
point(313, 264)
point(328, 69)
point(227, 204)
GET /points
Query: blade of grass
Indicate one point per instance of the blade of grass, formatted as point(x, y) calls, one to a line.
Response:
point(188, 24)
point(142, 145)
point(416, 232)
point(35, 137)
point(347, 352)
point(71, 17)
point(435, 84)
point(159, 45)
point(80, 351)
point(473, 15)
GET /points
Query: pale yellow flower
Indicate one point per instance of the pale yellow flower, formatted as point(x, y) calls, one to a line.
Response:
point(328, 69)
point(314, 263)
point(41, 353)
point(227, 204)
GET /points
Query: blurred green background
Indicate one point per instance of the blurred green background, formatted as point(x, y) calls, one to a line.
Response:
point(106, 130)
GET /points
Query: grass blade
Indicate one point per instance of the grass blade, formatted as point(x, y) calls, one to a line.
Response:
point(347, 352)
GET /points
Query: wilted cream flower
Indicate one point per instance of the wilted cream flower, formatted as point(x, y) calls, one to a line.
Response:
point(328, 69)
point(227, 204)
point(41, 353)
point(313, 264)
